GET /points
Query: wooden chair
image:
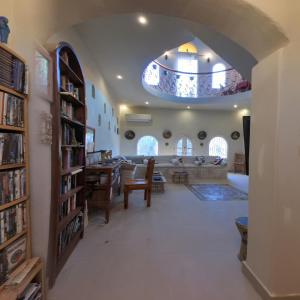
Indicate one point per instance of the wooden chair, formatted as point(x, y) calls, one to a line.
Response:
point(140, 184)
point(239, 163)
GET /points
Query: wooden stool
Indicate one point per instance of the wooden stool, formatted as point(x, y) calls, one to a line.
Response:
point(242, 225)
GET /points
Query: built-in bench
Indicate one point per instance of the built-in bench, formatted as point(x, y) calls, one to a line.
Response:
point(198, 167)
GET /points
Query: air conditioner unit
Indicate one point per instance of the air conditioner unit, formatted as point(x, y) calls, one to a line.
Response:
point(139, 118)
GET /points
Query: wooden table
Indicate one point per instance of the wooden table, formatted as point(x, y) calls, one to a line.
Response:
point(102, 182)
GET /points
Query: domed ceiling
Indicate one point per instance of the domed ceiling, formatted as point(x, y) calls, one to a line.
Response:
point(120, 45)
point(192, 72)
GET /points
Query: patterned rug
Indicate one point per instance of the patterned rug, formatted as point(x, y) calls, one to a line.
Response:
point(217, 192)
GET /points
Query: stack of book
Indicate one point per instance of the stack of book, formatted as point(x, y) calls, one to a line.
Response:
point(12, 185)
point(12, 72)
point(12, 222)
point(11, 148)
point(69, 232)
point(11, 257)
point(67, 206)
point(11, 110)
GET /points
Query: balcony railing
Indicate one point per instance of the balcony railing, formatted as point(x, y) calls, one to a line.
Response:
point(163, 81)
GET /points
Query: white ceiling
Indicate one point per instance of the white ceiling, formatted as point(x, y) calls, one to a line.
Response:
point(120, 45)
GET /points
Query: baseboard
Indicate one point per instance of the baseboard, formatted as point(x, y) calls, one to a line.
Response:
point(261, 288)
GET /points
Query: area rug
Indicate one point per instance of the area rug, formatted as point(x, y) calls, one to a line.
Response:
point(217, 192)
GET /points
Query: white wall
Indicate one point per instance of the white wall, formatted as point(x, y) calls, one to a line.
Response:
point(184, 123)
point(106, 139)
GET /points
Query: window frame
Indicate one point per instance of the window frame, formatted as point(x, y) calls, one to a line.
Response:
point(218, 79)
point(155, 150)
point(185, 148)
point(216, 154)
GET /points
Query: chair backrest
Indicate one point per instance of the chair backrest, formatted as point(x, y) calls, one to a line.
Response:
point(239, 157)
point(149, 171)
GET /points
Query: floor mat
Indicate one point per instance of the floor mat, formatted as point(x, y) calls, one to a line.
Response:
point(217, 192)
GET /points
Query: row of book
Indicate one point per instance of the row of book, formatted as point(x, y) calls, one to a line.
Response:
point(67, 109)
point(11, 110)
point(11, 257)
point(12, 72)
point(12, 185)
point(11, 148)
point(66, 236)
point(12, 222)
point(72, 158)
point(32, 292)
point(69, 182)
point(67, 206)
point(69, 135)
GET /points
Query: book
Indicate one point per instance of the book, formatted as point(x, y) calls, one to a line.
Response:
point(12, 72)
point(15, 253)
point(11, 148)
point(12, 185)
point(12, 221)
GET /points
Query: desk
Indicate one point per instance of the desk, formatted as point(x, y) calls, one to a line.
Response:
point(102, 182)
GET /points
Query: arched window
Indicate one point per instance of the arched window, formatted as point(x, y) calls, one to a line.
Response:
point(151, 75)
point(218, 147)
point(218, 76)
point(187, 84)
point(184, 147)
point(147, 145)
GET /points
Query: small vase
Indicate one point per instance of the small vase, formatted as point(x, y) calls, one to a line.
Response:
point(4, 30)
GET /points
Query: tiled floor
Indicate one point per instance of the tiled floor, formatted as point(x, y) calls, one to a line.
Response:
point(180, 248)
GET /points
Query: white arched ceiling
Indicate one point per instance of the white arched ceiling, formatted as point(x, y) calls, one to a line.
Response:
point(244, 23)
point(120, 45)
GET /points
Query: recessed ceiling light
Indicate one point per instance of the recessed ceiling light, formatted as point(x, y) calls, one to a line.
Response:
point(119, 76)
point(147, 102)
point(143, 20)
point(235, 106)
point(188, 107)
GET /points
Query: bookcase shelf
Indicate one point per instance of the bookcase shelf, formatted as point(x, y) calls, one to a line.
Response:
point(12, 91)
point(73, 146)
point(14, 178)
point(70, 98)
point(12, 166)
point(68, 156)
point(72, 122)
point(13, 203)
point(71, 193)
point(67, 219)
point(11, 240)
point(12, 290)
point(11, 128)
point(71, 170)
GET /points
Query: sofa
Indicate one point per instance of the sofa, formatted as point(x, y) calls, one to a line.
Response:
point(198, 167)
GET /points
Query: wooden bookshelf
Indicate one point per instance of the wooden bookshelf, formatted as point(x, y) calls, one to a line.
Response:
point(11, 290)
point(68, 156)
point(14, 177)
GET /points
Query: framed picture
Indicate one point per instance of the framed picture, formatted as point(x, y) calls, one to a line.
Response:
point(43, 73)
point(90, 139)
